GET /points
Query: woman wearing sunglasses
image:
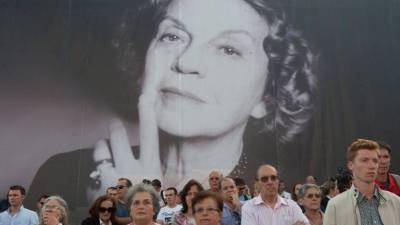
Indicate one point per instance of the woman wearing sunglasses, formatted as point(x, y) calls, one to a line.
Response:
point(102, 212)
point(310, 199)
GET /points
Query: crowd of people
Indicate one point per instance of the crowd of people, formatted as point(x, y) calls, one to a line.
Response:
point(369, 195)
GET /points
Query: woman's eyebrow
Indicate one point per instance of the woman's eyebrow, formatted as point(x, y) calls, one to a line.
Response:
point(176, 22)
point(236, 32)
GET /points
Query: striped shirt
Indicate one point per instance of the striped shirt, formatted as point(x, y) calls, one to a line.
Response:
point(285, 212)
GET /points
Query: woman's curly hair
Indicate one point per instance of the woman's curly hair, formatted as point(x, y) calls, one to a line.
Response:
point(291, 84)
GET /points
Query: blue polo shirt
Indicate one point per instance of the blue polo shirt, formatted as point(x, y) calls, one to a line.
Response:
point(22, 217)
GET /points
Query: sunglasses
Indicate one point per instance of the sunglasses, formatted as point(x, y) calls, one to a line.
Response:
point(121, 186)
point(267, 178)
point(103, 209)
point(313, 195)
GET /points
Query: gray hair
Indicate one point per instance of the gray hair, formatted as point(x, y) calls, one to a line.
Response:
point(155, 197)
point(63, 207)
point(304, 188)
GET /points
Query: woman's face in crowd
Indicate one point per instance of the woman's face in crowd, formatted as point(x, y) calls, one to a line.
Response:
point(312, 199)
point(209, 62)
point(190, 195)
point(206, 212)
point(142, 207)
point(105, 215)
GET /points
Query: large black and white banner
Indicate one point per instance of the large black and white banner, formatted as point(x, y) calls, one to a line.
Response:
point(93, 90)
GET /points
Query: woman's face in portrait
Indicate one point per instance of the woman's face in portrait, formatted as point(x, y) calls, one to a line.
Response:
point(208, 60)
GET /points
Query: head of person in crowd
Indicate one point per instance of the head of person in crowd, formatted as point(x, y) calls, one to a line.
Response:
point(267, 177)
point(112, 192)
point(122, 187)
point(16, 196)
point(103, 209)
point(144, 203)
point(384, 159)
point(295, 191)
point(213, 180)
point(281, 187)
point(171, 196)
point(243, 189)
point(229, 190)
point(330, 188)
point(156, 183)
point(344, 179)
point(191, 188)
point(310, 199)
point(256, 188)
point(310, 196)
point(54, 211)
point(310, 179)
point(146, 181)
point(363, 161)
point(207, 207)
point(40, 202)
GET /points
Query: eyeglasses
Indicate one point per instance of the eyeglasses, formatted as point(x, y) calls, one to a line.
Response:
point(207, 210)
point(313, 195)
point(121, 186)
point(267, 178)
point(103, 209)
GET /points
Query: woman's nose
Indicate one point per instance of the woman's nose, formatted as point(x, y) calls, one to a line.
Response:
point(190, 62)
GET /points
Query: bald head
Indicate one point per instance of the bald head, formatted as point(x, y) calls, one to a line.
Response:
point(267, 177)
point(266, 167)
point(213, 179)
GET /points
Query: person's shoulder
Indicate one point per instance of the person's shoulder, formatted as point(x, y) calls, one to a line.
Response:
point(89, 221)
point(250, 203)
point(389, 195)
point(344, 196)
point(28, 211)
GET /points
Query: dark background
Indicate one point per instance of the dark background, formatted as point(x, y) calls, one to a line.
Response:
point(60, 84)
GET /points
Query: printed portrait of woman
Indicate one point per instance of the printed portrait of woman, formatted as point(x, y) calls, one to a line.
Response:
point(210, 75)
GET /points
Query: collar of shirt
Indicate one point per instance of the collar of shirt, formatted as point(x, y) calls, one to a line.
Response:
point(361, 197)
point(101, 222)
point(280, 201)
point(18, 210)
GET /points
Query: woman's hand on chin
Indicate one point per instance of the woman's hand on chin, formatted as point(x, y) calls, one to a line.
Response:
point(125, 165)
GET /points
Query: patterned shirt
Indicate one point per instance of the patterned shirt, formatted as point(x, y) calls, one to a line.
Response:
point(369, 213)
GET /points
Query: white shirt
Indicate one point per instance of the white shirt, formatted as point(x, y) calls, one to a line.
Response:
point(166, 213)
point(285, 212)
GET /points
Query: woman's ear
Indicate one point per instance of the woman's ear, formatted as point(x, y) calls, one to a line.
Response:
point(259, 110)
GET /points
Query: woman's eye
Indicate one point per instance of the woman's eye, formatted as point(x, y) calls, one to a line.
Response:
point(169, 38)
point(228, 50)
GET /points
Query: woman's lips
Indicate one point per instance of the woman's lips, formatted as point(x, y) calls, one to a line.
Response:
point(182, 93)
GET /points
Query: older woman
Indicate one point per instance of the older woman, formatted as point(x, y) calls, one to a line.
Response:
point(191, 53)
point(54, 211)
point(185, 217)
point(144, 204)
point(102, 212)
point(207, 207)
point(310, 199)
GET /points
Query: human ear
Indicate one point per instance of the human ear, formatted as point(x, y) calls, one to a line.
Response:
point(350, 165)
point(259, 110)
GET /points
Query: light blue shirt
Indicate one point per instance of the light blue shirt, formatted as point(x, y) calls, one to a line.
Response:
point(231, 217)
point(22, 217)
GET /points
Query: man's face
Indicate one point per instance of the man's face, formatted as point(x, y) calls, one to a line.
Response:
point(384, 161)
point(112, 193)
point(214, 179)
point(228, 189)
point(40, 204)
point(122, 188)
point(268, 181)
point(170, 197)
point(364, 166)
point(15, 198)
point(282, 186)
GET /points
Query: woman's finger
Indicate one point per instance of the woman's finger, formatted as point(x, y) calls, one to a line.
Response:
point(149, 137)
point(121, 148)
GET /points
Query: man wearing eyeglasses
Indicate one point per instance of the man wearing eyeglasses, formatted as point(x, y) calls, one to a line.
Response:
point(16, 213)
point(268, 208)
point(122, 213)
